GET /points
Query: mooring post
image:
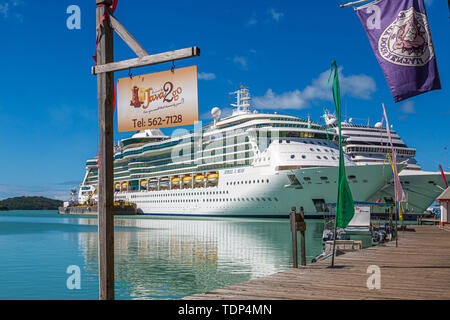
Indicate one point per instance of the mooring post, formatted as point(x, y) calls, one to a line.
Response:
point(294, 237)
point(302, 228)
point(390, 222)
point(396, 225)
point(105, 95)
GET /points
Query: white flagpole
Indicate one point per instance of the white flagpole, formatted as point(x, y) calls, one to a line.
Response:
point(352, 3)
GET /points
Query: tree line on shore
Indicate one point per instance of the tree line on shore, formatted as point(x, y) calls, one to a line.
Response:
point(30, 203)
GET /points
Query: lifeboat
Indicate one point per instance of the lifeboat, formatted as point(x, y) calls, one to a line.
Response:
point(144, 184)
point(187, 179)
point(153, 183)
point(213, 177)
point(199, 178)
point(176, 180)
point(164, 181)
point(117, 186)
point(124, 184)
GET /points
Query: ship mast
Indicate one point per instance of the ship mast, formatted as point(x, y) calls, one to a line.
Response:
point(242, 104)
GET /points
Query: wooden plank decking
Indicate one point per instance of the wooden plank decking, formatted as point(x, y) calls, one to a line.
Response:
point(419, 268)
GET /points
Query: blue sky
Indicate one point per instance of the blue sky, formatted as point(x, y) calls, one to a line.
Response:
point(282, 50)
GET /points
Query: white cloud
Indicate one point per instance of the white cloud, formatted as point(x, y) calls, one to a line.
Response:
point(241, 61)
point(206, 76)
point(408, 107)
point(357, 86)
point(224, 112)
point(251, 21)
point(7, 6)
point(286, 100)
point(4, 8)
point(275, 15)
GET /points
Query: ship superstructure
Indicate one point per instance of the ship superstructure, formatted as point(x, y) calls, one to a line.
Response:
point(247, 164)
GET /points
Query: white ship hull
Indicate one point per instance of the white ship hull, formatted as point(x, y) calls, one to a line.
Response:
point(249, 191)
point(370, 144)
point(421, 189)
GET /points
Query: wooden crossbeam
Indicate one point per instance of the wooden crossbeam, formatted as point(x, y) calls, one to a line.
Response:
point(147, 60)
point(127, 37)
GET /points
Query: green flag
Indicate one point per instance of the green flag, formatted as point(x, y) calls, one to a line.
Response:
point(345, 208)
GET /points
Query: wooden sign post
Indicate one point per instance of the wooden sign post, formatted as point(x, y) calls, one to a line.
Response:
point(105, 96)
point(105, 67)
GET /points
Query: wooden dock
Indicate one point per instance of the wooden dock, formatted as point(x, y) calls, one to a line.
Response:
point(422, 220)
point(419, 268)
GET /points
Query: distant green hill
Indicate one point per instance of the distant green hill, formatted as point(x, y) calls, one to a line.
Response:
point(30, 203)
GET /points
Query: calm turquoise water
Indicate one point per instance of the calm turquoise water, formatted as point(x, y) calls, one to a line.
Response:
point(155, 258)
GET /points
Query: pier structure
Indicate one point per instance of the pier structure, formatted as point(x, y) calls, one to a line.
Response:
point(419, 268)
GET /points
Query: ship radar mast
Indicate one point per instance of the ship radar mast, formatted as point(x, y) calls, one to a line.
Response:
point(329, 118)
point(242, 104)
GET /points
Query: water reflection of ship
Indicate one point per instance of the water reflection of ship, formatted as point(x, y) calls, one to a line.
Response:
point(173, 258)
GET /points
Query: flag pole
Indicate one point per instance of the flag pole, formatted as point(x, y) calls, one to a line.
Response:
point(396, 224)
point(345, 208)
point(353, 3)
point(334, 241)
point(449, 8)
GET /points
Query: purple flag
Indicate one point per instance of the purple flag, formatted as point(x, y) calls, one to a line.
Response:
point(401, 40)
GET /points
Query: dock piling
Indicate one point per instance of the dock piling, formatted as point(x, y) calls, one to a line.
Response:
point(298, 224)
point(294, 236)
point(302, 235)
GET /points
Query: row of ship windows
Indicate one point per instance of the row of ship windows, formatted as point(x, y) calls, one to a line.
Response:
point(326, 150)
point(306, 142)
point(247, 182)
point(351, 177)
point(383, 150)
point(318, 157)
point(93, 178)
point(177, 194)
point(210, 200)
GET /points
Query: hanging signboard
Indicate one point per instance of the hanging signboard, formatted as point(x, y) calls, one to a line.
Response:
point(157, 100)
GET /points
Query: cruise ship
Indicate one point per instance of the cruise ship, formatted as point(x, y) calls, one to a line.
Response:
point(247, 164)
point(367, 144)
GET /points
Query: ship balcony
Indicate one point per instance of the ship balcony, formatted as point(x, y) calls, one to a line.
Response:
point(181, 169)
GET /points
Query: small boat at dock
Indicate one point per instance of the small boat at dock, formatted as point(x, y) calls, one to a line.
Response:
point(120, 208)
